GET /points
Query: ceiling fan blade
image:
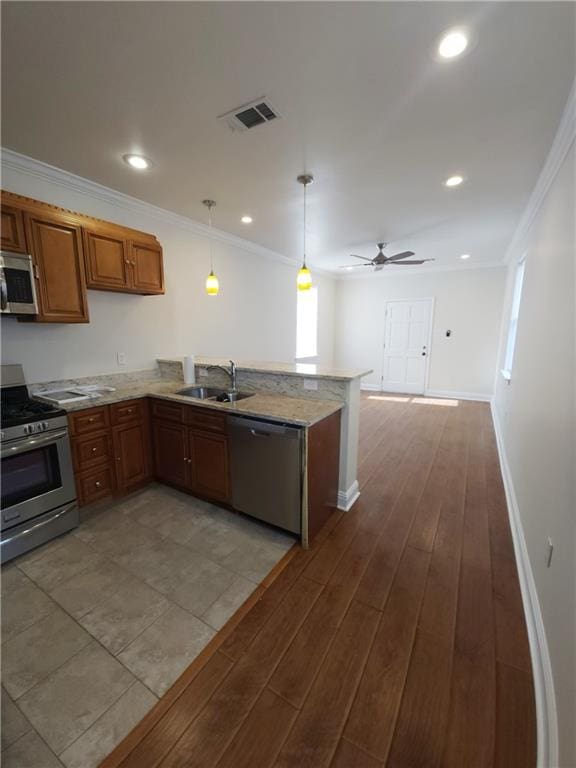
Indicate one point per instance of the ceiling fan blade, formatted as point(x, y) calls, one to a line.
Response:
point(398, 256)
point(354, 266)
point(355, 256)
point(408, 263)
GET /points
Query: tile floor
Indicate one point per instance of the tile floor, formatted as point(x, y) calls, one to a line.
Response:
point(97, 624)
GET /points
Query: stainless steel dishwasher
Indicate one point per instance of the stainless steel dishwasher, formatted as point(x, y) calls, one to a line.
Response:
point(266, 470)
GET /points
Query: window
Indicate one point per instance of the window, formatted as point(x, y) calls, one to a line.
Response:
point(513, 325)
point(307, 324)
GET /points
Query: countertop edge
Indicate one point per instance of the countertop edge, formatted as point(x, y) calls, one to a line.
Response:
point(329, 407)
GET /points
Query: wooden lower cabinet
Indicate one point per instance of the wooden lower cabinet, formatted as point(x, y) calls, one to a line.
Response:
point(132, 455)
point(210, 471)
point(110, 449)
point(170, 453)
point(191, 450)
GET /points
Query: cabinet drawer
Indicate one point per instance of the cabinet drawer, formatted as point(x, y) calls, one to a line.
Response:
point(123, 413)
point(206, 420)
point(162, 409)
point(91, 451)
point(90, 420)
point(95, 484)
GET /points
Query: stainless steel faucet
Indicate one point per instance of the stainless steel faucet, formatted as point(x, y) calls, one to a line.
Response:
point(231, 372)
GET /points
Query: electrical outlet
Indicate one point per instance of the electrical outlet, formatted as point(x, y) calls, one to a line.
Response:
point(550, 550)
point(311, 384)
point(121, 358)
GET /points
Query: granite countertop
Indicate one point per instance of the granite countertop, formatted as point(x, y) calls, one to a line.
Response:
point(292, 410)
point(287, 369)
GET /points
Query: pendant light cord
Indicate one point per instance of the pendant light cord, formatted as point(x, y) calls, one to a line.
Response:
point(210, 225)
point(304, 234)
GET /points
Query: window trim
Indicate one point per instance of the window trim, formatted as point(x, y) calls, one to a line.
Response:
point(512, 333)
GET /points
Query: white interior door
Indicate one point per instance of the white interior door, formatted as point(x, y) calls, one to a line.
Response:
point(406, 346)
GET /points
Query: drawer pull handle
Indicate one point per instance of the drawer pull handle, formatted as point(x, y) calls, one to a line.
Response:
point(98, 484)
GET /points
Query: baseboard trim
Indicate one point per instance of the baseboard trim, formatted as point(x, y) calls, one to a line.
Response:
point(346, 499)
point(546, 716)
point(455, 394)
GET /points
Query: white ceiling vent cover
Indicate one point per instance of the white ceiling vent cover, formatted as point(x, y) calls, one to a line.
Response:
point(257, 112)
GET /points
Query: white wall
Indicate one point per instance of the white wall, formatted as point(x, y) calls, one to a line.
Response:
point(467, 302)
point(536, 414)
point(253, 317)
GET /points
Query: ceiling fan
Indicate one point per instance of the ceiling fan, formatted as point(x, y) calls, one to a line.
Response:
point(380, 260)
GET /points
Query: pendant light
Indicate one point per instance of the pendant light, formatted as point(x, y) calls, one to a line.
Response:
point(212, 284)
point(304, 279)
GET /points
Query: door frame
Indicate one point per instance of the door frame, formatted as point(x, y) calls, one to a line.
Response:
point(432, 302)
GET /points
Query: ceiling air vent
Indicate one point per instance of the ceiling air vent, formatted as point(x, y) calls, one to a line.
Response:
point(250, 115)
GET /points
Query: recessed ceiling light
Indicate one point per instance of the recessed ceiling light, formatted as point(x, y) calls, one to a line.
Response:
point(454, 181)
point(465, 256)
point(349, 269)
point(139, 162)
point(246, 219)
point(453, 44)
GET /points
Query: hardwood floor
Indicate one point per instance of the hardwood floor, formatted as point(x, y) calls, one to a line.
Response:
point(397, 640)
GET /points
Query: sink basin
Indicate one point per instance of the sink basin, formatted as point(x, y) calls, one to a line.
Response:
point(210, 393)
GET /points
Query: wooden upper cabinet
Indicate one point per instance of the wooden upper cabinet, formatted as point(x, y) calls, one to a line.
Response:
point(116, 263)
point(12, 233)
point(107, 260)
point(147, 268)
point(58, 255)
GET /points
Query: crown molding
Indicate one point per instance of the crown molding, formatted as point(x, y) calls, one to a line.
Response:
point(389, 273)
point(49, 173)
point(565, 136)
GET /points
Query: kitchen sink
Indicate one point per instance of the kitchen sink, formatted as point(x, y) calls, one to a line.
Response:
point(210, 393)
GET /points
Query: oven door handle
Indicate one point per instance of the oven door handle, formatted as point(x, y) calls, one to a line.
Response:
point(32, 443)
point(3, 291)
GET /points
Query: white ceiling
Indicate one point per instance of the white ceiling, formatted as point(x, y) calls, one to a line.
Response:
point(367, 107)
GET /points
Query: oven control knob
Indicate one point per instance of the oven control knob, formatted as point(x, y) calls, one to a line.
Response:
point(44, 425)
point(27, 429)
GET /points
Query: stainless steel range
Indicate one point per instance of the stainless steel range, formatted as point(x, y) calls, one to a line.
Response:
point(38, 492)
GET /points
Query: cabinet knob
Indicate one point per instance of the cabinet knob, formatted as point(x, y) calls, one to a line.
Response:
point(91, 420)
point(98, 484)
point(185, 459)
point(127, 261)
point(117, 458)
point(130, 410)
point(94, 450)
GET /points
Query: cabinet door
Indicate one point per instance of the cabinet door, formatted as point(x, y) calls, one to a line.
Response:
point(107, 261)
point(171, 453)
point(131, 451)
point(210, 469)
point(147, 268)
point(56, 247)
point(13, 237)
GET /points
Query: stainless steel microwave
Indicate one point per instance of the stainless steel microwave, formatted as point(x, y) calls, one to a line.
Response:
point(17, 289)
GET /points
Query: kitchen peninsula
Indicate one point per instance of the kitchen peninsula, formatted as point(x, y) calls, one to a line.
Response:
point(192, 440)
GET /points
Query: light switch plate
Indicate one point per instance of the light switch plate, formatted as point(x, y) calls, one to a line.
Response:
point(121, 357)
point(311, 384)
